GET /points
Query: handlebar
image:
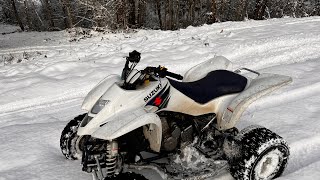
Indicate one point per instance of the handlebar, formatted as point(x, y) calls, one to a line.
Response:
point(174, 75)
point(163, 72)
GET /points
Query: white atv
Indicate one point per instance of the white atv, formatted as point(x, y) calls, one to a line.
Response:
point(144, 119)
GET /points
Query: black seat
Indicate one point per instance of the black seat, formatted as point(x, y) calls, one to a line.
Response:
point(214, 84)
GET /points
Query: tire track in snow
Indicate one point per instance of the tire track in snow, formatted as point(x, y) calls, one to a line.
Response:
point(300, 21)
point(68, 47)
point(37, 48)
point(56, 112)
point(275, 50)
point(303, 153)
point(31, 104)
point(289, 96)
point(306, 173)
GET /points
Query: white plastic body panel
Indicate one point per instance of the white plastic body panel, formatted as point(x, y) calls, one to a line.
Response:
point(125, 108)
point(121, 124)
point(98, 91)
point(260, 86)
point(201, 70)
point(228, 108)
point(183, 104)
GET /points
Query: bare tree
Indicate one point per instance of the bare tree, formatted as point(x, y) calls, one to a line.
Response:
point(47, 7)
point(26, 8)
point(316, 10)
point(191, 11)
point(242, 10)
point(214, 11)
point(17, 15)
point(170, 14)
point(158, 8)
point(122, 14)
point(67, 13)
point(260, 9)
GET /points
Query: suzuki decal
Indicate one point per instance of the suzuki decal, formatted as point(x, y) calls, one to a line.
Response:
point(157, 101)
point(153, 92)
point(161, 100)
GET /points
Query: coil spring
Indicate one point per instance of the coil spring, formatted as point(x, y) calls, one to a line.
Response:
point(111, 161)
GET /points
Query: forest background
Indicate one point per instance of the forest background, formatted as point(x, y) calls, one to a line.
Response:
point(50, 15)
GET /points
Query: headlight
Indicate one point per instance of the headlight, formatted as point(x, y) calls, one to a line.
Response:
point(100, 104)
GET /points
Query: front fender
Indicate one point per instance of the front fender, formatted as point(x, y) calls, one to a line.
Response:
point(98, 91)
point(127, 122)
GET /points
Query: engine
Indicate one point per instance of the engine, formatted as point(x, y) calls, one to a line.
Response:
point(174, 133)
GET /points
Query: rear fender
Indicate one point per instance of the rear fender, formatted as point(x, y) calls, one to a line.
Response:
point(98, 91)
point(260, 86)
point(120, 125)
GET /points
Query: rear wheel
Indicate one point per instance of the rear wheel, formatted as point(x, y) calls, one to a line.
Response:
point(69, 140)
point(264, 155)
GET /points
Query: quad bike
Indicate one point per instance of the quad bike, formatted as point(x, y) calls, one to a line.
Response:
point(182, 129)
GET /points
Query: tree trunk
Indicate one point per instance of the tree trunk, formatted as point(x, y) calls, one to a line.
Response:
point(67, 13)
point(260, 9)
point(40, 27)
point(132, 17)
point(176, 23)
point(136, 11)
point(158, 7)
point(317, 9)
point(125, 13)
point(49, 13)
point(302, 9)
point(96, 12)
point(166, 15)
point(191, 11)
point(17, 15)
point(223, 11)
point(121, 15)
point(197, 15)
point(214, 11)
point(26, 9)
point(170, 11)
point(241, 10)
point(141, 12)
point(246, 15)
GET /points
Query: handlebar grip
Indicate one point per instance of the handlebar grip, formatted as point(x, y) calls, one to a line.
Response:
point(174, 75)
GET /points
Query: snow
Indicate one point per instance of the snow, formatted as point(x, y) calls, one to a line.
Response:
point(190, 158)
point(45, 89)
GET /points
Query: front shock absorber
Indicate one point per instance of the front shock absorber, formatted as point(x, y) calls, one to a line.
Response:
point(100, 158)
point(111, 157)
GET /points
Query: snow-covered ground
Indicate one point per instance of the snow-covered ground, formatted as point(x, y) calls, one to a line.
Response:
point(44, 77)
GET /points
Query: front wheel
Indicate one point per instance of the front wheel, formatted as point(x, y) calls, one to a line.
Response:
point(264, 155)
point(69, 140)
